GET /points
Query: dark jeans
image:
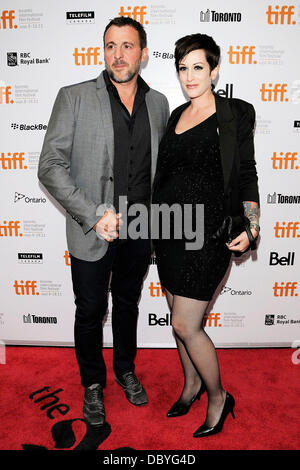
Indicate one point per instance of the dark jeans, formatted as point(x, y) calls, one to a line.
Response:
point(127, 262)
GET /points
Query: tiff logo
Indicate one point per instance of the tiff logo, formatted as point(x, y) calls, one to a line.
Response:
point(6, 20)
point(12, 161)
point(285, 161)
point(10, 229)
point(287, 289)
point(67, 258)
point(156, 291)
point(137, 13)
point(213, 319)
point(241, 56)
point(5, 92)
point(281, 15)
point(88, 57)
point(274, 92)
point(29, 288)
point(289, 230)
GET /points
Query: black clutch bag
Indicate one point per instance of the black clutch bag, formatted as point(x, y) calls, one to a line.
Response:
point(231, 228)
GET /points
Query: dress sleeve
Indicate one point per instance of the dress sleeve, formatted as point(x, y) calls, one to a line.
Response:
point(248, 175)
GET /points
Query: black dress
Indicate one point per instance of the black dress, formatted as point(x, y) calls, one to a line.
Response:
point(189, 171)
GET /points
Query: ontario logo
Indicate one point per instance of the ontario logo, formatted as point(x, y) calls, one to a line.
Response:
point(29, 200)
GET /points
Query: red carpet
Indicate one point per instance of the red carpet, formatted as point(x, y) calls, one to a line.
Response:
point(264, 382)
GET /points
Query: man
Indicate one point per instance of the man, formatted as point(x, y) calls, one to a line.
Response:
point(101, 144)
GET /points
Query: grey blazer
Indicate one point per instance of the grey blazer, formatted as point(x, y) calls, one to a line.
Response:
point(77, 158)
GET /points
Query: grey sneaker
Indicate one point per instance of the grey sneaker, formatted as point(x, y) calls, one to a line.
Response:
point(134, 390)
point(93, 406)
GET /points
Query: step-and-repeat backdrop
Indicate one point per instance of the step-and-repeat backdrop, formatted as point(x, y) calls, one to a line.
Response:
point(50, 44)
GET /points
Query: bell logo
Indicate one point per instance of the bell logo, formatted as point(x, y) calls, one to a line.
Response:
point(280, 15)
point(12, 161)
point(6, 20)
point(242, 55)
point(137, 13)
point(26, 288)
point(274, 92)
point(156, 291)
point(285, 161)
point(10, 229)
point(213, 319)
point(87, 57)
point(5, 92)
point(287, 230)
point(287, 289)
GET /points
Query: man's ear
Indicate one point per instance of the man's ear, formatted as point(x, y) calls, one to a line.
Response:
point(145, 53)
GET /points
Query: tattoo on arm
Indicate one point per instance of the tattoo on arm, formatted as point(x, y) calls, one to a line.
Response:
point(251, 211)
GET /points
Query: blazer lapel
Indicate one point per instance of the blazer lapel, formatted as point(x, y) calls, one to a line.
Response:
point(106, 116)
point(227, 136)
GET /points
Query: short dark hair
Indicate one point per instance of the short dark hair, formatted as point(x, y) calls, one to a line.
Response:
point(192, 42)
point(126, 21)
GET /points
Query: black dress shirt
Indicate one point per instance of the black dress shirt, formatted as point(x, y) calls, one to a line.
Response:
point(132, 146)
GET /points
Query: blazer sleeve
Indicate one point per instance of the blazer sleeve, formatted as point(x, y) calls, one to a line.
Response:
point(54, 164)
point(248, 182)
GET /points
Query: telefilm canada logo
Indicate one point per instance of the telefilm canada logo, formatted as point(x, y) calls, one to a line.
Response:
point(30, 258)
point(218, 16)
point(80, 17)
point(296, 127)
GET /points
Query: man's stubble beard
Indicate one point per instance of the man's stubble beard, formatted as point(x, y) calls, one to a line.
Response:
point(130, 74)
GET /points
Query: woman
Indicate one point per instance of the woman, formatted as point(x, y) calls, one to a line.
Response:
point(206, 157)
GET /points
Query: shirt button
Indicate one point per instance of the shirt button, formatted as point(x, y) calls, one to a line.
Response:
point(111, 178)
point(130, 175)
point(131, 147)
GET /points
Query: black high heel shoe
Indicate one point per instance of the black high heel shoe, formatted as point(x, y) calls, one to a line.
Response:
point(180, 408)
point(205, 430)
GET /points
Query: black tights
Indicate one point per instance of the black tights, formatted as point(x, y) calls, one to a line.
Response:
point(197, 354)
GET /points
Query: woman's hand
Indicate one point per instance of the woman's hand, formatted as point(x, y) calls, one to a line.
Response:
point(241, 243)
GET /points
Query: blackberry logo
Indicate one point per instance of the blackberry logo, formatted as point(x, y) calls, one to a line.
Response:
point(28, 127)
point(163, 55)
